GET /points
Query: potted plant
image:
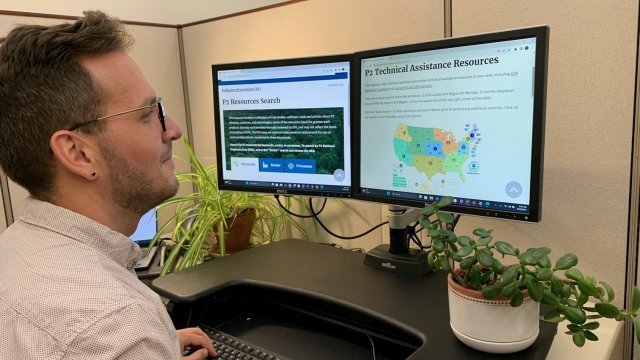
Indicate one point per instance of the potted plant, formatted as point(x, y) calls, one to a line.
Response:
point(517, 279)
point(211, 218)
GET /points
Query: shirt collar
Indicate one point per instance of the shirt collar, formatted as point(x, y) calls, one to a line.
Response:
point(113, 244)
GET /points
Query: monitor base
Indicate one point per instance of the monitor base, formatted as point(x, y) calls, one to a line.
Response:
point(414, 262)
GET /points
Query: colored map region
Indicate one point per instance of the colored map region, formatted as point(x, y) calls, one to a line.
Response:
point(434, 151)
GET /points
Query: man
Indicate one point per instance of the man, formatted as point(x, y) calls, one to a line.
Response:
point(85, 133)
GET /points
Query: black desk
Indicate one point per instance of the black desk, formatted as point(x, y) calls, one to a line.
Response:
point(324, 282)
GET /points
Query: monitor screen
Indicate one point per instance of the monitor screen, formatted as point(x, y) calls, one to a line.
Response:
point(460, 117)
point(147, 228)
point(284, 126)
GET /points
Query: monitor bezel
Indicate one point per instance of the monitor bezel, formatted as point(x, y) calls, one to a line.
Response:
point(541, 34)
point(277, 63)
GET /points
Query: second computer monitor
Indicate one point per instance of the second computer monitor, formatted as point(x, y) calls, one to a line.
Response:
point(284, 126)
point(460, 117)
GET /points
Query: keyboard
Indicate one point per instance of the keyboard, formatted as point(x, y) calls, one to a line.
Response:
point(232, 348)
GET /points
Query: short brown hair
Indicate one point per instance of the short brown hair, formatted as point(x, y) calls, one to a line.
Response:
point(43, 89)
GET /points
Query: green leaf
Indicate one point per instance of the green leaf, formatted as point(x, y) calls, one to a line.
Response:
point(451, 237)
point(609, 290)
point(517, 299)
point(549, 298)
point(474, 276)
point(555, 320)
point(445, 201)
point(425, 222)
point(483, 241)
point(536, 291)
point(635, 299)
point(491, 291)
point(483, 233)
point(587, 288)
point(485, 257)
point(566, 291)
point(590, 336)
point(566, 261)
point(582, 298)
point(527, 258)
point(464, 240)
point(496, 266)
point(556, 285)
point(434, 233)
point(445, 217)
point(574, 328)
point(545, 262)
point(431, 259)
point(574, 274)
point(576, 316)
point(540, 252)
point(505, 248)
point(468, 262)
point(510, 274)
point(607, 310)
point(553, 313)
point(465, 250)
point(591, 325)
point(437, 245)
point(543, 274)
point(427, 211)
point(509, 290)
point(487, 277)
point(578, 339)
point(636, 327)
point(446, 266)
point(455, 257)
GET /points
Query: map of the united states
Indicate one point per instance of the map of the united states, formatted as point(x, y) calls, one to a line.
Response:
point(432, 150)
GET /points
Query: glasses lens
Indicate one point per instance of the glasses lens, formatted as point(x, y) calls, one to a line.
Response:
point(161, 115)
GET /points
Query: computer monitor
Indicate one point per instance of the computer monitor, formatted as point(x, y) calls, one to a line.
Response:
point(284, 126)
point(146, 230)
point(461, 117)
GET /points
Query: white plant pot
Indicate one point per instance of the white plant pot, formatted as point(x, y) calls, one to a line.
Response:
point(492, 326)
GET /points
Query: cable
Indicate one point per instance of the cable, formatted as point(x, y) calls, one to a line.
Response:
point(315, 215)
point(298, 215)
point(373, 346)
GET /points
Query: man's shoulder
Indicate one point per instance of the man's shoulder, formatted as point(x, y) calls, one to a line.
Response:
point(61, 285)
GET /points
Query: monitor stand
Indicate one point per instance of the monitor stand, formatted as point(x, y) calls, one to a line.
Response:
point(397, 256)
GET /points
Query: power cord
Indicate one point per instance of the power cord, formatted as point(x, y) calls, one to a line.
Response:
point(298, 215)
point(315, 215)
point(373, 346)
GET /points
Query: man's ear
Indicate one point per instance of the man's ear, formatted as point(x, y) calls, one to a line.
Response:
point(75, 153)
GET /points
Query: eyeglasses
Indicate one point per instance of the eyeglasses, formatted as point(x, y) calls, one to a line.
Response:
point(157, 102)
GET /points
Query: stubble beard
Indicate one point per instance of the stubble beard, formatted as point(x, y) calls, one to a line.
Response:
point(134, 189)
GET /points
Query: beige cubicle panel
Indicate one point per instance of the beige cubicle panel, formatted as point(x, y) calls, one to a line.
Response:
point(590, 103)
point(304, 29)
point(589, 127)
point(156, 51)
point(589, 123)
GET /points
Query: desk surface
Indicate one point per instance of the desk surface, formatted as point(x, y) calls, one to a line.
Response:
point(417, 303)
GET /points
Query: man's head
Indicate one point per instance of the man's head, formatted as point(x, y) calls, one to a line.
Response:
point(55, 79)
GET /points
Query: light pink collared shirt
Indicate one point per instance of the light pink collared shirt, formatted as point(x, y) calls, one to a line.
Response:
point(68, 291)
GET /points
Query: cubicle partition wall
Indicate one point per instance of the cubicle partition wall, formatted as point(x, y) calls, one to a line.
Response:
point(305, 29)
point(590, 104)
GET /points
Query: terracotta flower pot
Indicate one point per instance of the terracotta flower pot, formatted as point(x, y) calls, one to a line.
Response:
point(492, 325)
point(238, 234)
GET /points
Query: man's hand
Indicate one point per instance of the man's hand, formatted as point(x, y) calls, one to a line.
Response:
point(196, 338)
